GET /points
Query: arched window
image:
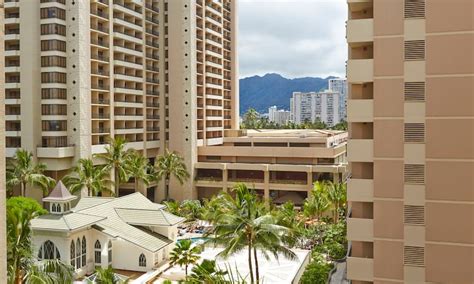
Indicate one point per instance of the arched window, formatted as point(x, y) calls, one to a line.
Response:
point(53, 207)
point(97, 253)
point(142, 260)
point(48, 251)
point(78, 253)
point(109, 248)
point(72, 253)
point(84, 250)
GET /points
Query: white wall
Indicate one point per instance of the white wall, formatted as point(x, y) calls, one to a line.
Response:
point(125, 256)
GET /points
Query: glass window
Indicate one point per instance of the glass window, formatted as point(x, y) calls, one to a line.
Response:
point(72, 254)
point(97, 252)
point(84, 251)
point(142, 260)
point(48, 251)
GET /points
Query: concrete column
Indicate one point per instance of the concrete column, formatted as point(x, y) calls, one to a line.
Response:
point(335, 177)
point(225, 175)
point(266, 188)
point(309, 176)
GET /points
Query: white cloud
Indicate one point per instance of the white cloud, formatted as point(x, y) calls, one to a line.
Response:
point(295, 38)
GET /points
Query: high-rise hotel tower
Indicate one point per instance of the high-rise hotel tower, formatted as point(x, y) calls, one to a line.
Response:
point(160, 73)
point(411, 148)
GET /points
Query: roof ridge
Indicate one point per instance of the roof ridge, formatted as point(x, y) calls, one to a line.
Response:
point(96, 197)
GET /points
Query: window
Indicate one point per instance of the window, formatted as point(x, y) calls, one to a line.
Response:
point(54, 141)
point(53, 77)
point(53, 109)
point(78, 253)
point(72, 254)
point(109, 248)
point(97, 253)
point(48, 251)
point(57, 29)
point(53, 44)
point(47, 61)
point(54, 125)
point(84, 250)
point(53, 12)
point(53, 207)
point(53, 93)
point(142, 260)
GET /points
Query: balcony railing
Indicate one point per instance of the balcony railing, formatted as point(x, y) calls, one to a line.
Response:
point(100, 87)
point(100, 57)
point(100, 115)
point(100, 101)
point(101, 130)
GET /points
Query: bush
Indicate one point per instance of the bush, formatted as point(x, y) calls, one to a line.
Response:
point(317, 270)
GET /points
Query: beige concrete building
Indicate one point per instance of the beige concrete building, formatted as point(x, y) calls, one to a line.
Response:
point(279, 164)
point(411, 149)
point(78, 72)
point(3, 221)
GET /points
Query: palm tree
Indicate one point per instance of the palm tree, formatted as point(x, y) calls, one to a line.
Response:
point(207, 272)
point(191, 210)
point(86, 175)
point(138, 168)
point(336, 193)
point(49, 271)
point(317, 203)
point(171, 164)
point(173, 207)
point(106, 276)
point(251, 119)
point(23, 171)
point(185, 254)
point(116, 158)
point(245, 223)
point(22, 266)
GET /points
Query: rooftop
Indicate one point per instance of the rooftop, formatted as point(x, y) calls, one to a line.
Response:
point(116, 217)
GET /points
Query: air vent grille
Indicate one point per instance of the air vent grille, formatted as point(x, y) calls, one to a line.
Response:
point(414, 132)
point(414, 8)
point(414, 256)
point(415, 91)
point(414, 215)
point(414, 174)
point(415, 50)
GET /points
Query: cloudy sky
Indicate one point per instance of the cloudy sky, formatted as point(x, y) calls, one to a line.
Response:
point(295, 38)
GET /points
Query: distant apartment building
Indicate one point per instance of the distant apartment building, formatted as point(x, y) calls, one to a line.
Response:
point(310, 107)
point(280, 165)
point(278, 116)
point(339, 85)
point(78, 72)
point(411, 147)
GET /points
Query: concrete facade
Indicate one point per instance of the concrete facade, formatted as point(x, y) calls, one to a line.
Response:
point(3, 194)
point(281, 165)
point(279, 116)
point(310, 107)
point(134, 69)
point(410, 113)
point(339, 85)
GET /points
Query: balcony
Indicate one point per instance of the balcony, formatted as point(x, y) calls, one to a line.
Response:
point(58, 152)
point(359, 229)
point(361, 269)
point(360, 30)
point(360, 70)
point(360, 110)
point(361, 190)
point(360, 150)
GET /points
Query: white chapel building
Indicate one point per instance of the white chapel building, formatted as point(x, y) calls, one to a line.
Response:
point(127, 233)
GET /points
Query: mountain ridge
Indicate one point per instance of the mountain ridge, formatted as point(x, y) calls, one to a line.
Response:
point(262, 92)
